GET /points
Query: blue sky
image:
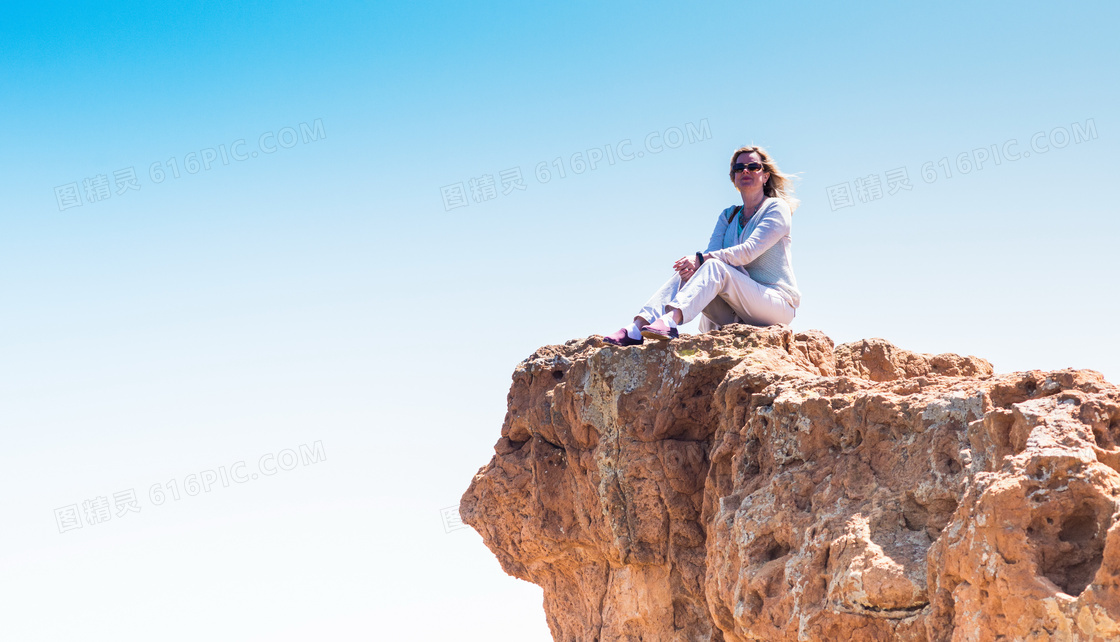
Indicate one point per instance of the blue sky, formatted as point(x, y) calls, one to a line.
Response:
point(323, 291)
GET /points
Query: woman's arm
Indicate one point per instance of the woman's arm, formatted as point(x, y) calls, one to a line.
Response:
point(774, 225)
point(686, 266)
point(716, 242)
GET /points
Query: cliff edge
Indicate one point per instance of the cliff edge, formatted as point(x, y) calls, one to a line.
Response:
point(762, 484)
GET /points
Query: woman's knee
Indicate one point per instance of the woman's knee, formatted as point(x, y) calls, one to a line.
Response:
point(714, 266)
point(716, 270)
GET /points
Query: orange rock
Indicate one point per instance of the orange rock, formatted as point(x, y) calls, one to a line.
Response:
point(760, 484)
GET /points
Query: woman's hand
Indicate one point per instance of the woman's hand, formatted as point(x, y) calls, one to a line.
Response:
point(686, 267)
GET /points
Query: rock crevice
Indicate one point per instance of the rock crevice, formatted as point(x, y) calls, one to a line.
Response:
point(762, 484)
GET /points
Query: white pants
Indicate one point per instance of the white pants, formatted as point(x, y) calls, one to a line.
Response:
point(724, 295)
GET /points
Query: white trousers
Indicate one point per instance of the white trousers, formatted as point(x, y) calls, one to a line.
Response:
point(723, 295)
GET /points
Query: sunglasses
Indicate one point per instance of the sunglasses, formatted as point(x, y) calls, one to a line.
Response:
point(751, 167)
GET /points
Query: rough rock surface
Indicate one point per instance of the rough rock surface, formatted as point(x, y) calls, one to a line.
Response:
point(761, 484)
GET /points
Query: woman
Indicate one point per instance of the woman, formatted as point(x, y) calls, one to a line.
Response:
point(745, 275)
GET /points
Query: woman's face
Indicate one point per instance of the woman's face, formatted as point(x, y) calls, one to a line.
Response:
point(746, 179)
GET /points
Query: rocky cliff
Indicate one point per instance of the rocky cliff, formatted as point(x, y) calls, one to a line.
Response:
point(761, 484)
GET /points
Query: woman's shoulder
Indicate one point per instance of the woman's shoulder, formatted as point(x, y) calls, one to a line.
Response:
point(778, 205)
point(727, 213)
point(772, 205)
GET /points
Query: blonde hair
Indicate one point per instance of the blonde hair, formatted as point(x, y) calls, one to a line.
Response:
point(779, 185)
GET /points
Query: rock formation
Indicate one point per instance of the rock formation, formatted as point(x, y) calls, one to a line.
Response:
point(761, 484)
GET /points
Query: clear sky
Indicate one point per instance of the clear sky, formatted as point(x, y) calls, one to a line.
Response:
point(317, 239)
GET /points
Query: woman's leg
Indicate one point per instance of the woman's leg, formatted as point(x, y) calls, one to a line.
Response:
point(654, 309)
point(716, 315)
point(751, 301)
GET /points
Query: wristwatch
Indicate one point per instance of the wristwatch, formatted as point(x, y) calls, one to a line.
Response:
point(699, 259)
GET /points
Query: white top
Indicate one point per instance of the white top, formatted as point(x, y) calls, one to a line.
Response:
point(762, 249)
